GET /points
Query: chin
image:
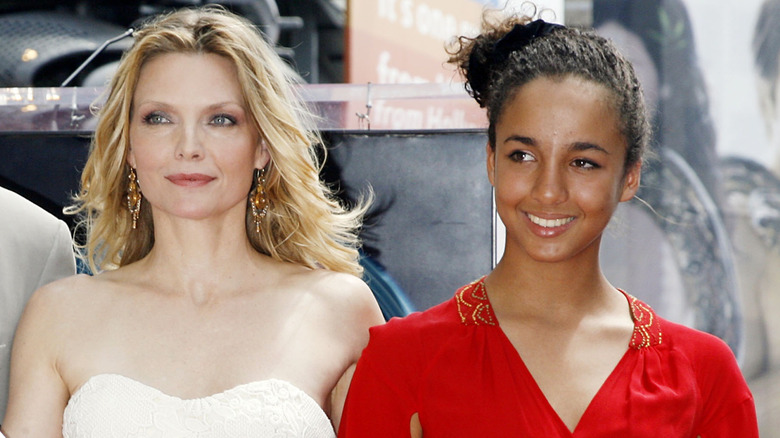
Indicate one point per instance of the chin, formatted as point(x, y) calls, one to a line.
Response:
point(549, 258)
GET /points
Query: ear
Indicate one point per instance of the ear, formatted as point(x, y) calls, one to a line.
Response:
point(262, 155)
point(631, 181)
point(130, 158)
point(491, 163)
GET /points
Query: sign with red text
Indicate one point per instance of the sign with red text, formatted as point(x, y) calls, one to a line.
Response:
point(404, 42)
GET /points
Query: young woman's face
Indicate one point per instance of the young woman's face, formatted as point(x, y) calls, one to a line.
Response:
point(558, 168)
point(191, 139)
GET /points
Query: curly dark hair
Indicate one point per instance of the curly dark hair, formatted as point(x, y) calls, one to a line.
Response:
point(493, 79)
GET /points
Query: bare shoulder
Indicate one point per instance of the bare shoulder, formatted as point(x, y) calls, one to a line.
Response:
point(50, 316)
point(344, 294)
point(64, 303)
point(52, 298)
point(343, 304)
point(44, 340)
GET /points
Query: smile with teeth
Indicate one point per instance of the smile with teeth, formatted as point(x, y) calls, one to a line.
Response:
point(549, 223)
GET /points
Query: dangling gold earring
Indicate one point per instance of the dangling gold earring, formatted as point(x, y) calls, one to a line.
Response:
point(258, 200)
point(133, 197)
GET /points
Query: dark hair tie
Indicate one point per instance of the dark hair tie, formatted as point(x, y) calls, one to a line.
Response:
point(520, 36)
point(478, 71)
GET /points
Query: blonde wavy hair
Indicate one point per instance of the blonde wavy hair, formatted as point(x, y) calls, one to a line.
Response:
point(305, 223)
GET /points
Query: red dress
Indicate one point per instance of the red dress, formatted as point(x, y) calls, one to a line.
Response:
point(454, 366)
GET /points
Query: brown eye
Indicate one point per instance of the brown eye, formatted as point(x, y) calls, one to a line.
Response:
point(585, 164)
point(520, 156)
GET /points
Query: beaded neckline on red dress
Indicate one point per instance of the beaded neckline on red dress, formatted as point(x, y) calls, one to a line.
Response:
point(474, 309)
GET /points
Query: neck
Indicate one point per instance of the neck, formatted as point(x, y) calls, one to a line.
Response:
point(522, 285)
point(199, 257)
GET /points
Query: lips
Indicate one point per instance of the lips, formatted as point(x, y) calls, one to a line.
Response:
point(549, 223)
point(190, 179)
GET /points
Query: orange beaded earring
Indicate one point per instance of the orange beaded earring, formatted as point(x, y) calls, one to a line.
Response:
point(258, 200)
point(133, 197)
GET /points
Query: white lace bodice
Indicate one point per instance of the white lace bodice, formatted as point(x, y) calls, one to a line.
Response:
point(111, 406)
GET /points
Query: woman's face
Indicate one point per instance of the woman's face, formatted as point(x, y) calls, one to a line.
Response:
point(558, 168)
point(191, 137)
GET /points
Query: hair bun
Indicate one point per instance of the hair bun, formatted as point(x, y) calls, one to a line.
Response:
point(520, 36)
point(488, 55)
point(477, 72)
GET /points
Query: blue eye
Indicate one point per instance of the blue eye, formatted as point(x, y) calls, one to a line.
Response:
point(223, 120)
point(156, 118)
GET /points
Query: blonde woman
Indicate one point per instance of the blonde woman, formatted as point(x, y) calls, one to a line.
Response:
point(228, 301)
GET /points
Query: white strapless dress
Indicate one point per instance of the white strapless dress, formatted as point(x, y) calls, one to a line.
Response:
point(112, 406)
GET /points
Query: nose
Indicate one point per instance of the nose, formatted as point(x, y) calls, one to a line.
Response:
point(190, 145)
point(550, 185)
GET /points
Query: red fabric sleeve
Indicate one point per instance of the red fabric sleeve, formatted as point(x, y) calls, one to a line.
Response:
point(739, 421)
point(382, 395)
point(729, 409)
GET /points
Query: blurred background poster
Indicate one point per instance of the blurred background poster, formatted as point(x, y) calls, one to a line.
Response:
point(739, 47)
point(403, 42)
point(707, 252)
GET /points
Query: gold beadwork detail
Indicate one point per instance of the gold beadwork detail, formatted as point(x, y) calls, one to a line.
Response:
point(473, 304)
point(647, 330)
point(474, 309)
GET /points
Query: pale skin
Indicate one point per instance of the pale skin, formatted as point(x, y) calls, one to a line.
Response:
point(203, 312)
point(558, 169)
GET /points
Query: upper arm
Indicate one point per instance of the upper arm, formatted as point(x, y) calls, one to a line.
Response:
point(739, 420)
point(379, 402)
point(728, 408)
point(339, 395)
point(37, 393)
point(362, 312)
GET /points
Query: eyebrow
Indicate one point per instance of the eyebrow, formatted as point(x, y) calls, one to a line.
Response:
point(211, 107)
point(585, 146)
point(521, 139)
point(577, 146)
point(226, 103)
